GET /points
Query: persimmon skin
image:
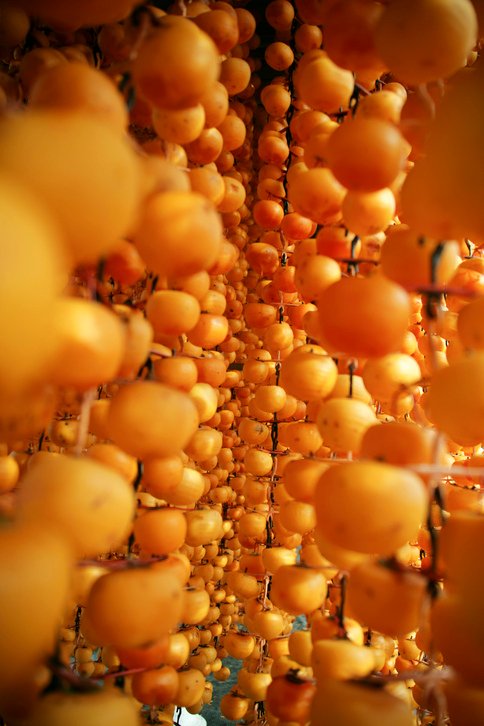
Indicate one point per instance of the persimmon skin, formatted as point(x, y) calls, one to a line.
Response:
point(297, 589)
point(440, 36)
point(28, 552)
point(74, 86)
point(290, 698)
point(308, 376)
point(155, 687)
point(170, 222)
point(366, 154)
point(160, 531)
point(124, 606)
point(93, 210)
point(364, 317)
point(176, 64)
point(172, 312)
point(87, 502)
point(344, 702)
point(340, 498)
point(149, 656)
point(149, 409)
point(455, 399)
point(96, 708)
point(387, 601)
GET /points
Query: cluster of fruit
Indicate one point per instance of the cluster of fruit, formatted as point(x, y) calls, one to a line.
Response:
point(242, 370)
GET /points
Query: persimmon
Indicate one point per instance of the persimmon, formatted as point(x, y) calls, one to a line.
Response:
point(167, 471)
point(221, 26)
point(210, 331)
point(341, 660)
point(93, 210)
point(183, 494)
point(124, 605)
point(160, 531)
point(70, 18)
point(150, 408)
point(172, 312)
point(366, 154)
point(115, 458)
point(297, 589)
point(301, 477)
point(234, 705)
point(28, 552)
point(9, 473)
point(279, 14)
point(340, 498)
point(196, 606)
point(215, 102)
point(399, 443)
point(268, 214)
point(179, 372)
point(289, 698)
point(367, 213)
point(15, 26)
point(95, 707)
point(91, 342)
point(205, 399)
point(364, 317)
point(462, 529)
point(465, 704)
point(90, 504)
point(168, 225)
point(205, 443)
point(276, 557)
point(180, 126)
point(406, 258)
point(314, 274)
point(349, 35)
point(234, 195)
point(258, 462)
point(297, 227)
point(148, 656)
point(385, 105)
point(246, 24)
point(454, 626)
point(384, 377)
point(176, 46)
point(351, 703)
point(124, 263)
point(337, 242)
point(209, 183)
point(191, 684)
point(416, 56)
point(279, 56)
point(75, 86)
point(308, 376)
point(211, 370)
point(305, 123)
point(234, 75)
point(323, 85)
point(270, 398)
point(469, 325)
point(155, 687)
point(454, 404)
point(31, 250)
point(374, 591)
point(297, 516)
point(204, 525)
point(307, 37)
point(342, 423)
point(302, 437)
point(317, 194)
